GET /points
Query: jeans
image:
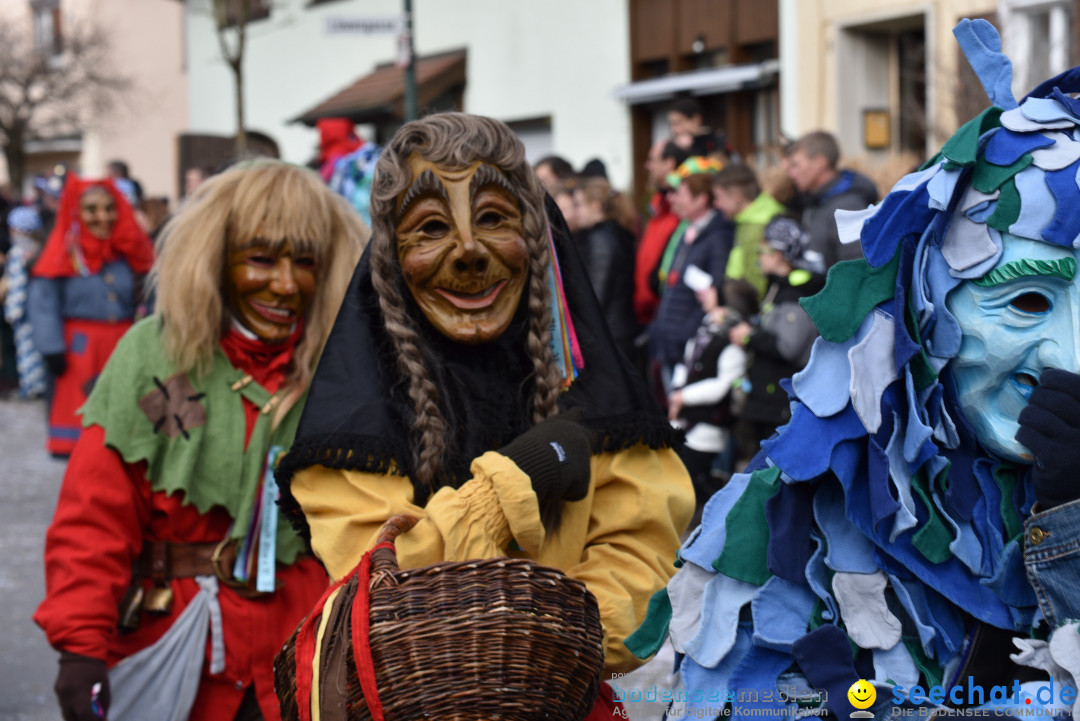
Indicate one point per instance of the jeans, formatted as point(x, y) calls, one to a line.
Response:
point(1052, 558)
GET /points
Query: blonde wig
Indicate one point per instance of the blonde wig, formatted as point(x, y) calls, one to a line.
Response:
point(456, 140)
point(268, 199)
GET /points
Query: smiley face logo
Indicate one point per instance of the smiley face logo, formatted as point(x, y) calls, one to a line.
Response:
point(861, 694)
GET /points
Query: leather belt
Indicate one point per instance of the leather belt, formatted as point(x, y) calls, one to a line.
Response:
point(161, 561)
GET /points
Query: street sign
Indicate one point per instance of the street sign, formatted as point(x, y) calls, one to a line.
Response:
point(363, 25)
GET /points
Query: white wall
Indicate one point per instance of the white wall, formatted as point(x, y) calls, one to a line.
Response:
point(527, 59)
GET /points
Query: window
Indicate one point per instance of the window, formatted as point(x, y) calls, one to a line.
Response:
point(47, 37)
point(1037, 39)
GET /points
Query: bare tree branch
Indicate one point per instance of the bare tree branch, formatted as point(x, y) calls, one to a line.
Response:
point(44, 94)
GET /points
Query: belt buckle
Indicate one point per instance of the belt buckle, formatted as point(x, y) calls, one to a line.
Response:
point(215, 560)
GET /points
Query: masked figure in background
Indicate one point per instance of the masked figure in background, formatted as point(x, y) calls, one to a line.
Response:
point(83, 294)
point(916, 522)
point(171, 476)
point(468, 334)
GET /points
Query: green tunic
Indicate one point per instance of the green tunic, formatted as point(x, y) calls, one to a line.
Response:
point(190, 429)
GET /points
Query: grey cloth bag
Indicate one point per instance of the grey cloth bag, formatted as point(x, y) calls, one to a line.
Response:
point(159, 683)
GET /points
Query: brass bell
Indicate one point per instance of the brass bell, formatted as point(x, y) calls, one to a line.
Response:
point(159, 599)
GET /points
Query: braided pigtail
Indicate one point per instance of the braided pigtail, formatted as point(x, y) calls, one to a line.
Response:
point(429, 429)
point(545, 373)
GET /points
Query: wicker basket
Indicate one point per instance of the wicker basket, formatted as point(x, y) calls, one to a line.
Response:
point(498, 638)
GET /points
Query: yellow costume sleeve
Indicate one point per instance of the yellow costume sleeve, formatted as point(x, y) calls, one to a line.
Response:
point(620, 540)
point(345, 510)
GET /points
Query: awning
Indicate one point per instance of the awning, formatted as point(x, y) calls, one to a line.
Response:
point(380, 95)
point(700, 82)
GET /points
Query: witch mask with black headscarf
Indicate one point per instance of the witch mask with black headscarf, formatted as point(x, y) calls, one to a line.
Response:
point(470, 319)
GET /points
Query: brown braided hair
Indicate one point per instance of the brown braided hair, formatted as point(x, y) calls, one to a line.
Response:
point(456, 140)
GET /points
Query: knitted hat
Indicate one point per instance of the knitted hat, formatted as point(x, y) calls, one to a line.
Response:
point(24, 219)
point(786, 235)
point(693, 166)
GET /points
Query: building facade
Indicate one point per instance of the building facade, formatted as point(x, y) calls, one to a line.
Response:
point(146, 48)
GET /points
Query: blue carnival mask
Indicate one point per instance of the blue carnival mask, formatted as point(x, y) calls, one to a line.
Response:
point(1020, 318)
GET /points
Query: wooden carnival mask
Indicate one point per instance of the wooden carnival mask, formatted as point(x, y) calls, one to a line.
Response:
point(462, 249)
point(270, 285)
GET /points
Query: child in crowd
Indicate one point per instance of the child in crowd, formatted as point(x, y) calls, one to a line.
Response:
point(779, 342)
point(702, 402)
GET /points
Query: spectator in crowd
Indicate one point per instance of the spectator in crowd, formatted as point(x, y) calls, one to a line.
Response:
point(47, 199)
point(24, 225)
point(696, 256)
point(337, 137)
point(551, 169)
point(194, 177)
point(779, 342)
point(738, 196)
point(690, 133)
point(703, 382)
point(562, 193)
point(812, 166)
point(352, 177)
point(607, 220)
point(664, 157)
point(117, 170)
point(83, 295)
point(593, 168)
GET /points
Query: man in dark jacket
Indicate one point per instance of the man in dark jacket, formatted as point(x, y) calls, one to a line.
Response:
point(811, 166)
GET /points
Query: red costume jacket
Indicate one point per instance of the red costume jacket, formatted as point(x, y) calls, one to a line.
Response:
point(105, 511)
point(653, 242)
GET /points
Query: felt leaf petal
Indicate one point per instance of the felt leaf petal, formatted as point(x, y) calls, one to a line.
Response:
point(1016, 121)
point(1037, 204)
point(822, 385)
point(1063, 153)
point(872, 369)
point(849, 223)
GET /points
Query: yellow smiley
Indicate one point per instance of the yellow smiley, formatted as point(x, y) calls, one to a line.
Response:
point(861, 694)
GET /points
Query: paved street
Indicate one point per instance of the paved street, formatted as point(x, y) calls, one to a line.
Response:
point(29, 482)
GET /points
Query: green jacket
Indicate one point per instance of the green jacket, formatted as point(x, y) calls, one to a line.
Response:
point(749, 225)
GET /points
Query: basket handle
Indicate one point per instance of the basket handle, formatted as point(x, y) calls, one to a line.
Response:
point(383, 558)
point(394, 527)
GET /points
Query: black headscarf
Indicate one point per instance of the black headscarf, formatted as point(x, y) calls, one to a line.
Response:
point(358, 415)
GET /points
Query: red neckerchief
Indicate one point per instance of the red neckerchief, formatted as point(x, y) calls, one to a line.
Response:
point(265, 362)
point(69, 239)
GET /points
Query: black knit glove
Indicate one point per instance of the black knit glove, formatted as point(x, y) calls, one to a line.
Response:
point(75, 683)
point(1050, 429)
point(555, 454)
point(56, 363)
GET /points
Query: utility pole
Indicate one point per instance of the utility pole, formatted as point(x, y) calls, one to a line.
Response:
point(410, 67)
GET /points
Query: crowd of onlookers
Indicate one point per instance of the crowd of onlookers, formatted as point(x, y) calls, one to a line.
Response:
point(701, 291)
